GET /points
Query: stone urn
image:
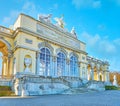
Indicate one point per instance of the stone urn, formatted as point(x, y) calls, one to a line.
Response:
point(27, 62)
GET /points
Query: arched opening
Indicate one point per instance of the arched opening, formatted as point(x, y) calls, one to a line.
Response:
point(45, 61)
point(4, 60)
point(74, 66)
point(61, 62)
point(89, 72)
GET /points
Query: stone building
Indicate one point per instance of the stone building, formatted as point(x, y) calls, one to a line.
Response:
point(34, 52)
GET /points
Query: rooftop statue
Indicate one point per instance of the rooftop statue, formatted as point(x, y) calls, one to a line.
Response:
point(60, 21)
point(73, 32)
point(45, 17)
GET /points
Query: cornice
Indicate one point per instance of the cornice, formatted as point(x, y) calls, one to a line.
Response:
point(24, 47)
point(38, 35)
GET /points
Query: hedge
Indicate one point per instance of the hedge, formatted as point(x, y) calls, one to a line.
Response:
point(111, 88)
point(5, 91)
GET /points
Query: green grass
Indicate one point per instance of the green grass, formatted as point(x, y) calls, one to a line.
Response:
point(5, 91)
point(112, 88)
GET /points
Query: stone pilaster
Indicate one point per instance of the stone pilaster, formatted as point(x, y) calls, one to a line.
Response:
point(92, 73)
point(79, 70)
point(54, 66)
point(67, 73)
point(37, 62)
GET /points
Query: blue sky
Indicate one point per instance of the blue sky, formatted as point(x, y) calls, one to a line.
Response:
point(97, 22)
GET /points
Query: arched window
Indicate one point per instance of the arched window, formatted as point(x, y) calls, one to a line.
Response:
point(73, 66)
point(45, 62)
point(61, 64)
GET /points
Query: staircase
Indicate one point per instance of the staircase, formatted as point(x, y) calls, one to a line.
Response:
point(5, 82)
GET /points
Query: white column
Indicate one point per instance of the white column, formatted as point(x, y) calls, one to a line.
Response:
point(54, 60)
point(8, 72)
point(67, 67)
point(108, 77)
point(102, 76)
point(89, 74)
point(98, 76)
point(78, 70)
point(92, 72)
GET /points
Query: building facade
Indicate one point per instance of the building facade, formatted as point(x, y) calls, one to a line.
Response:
point(40, 48)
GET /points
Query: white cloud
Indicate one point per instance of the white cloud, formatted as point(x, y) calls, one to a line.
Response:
point(103, 48)
point(91, 40)
point(107, 46)
point(27, 8)
point(11, 18)
point(53, 7)
point(117, 41)
point(86, 3)
point(102, 44)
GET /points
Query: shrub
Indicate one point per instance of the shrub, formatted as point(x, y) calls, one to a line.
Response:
point(5, 91)
point(5, 88)
point(111, 88)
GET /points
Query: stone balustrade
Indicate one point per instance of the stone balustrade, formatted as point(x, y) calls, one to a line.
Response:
point(5, 30)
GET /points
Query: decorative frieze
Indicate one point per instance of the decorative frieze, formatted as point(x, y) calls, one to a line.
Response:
point(64, 40)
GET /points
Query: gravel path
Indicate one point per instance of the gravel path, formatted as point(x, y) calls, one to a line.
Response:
point(106, 98)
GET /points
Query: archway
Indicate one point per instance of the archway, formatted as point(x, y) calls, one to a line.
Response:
point(4, 59)
point(89, 72)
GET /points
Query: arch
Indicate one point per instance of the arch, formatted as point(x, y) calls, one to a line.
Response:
point(46, 44)
point(45, 61)
point(61, 63)
point(74, 65)
point(73, 53)
point(61, 50)
point(5, 49)
point(6, 43)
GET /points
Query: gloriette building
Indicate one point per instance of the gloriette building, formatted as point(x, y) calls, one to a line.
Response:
point(39, 57)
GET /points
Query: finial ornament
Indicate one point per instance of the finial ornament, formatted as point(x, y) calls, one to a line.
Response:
point(73, 32)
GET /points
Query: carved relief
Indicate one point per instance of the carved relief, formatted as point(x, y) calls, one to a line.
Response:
point(27, 62)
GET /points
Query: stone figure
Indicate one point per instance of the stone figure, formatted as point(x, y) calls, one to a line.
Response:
point(73, 32)
point(60, 22)
point(27, 62)
point(46, 18)
point(115, 81)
